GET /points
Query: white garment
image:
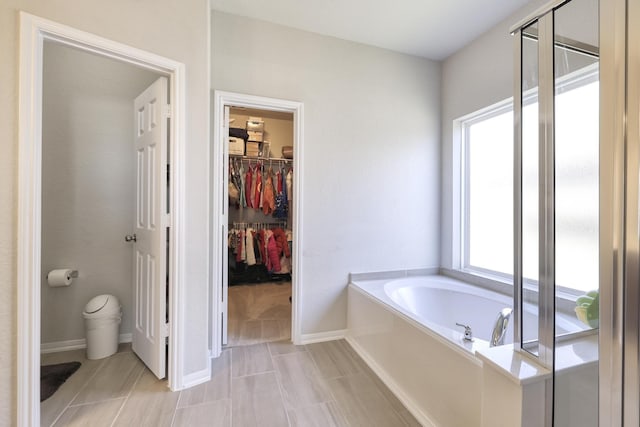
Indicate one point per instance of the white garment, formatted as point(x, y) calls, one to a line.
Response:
point(290, 185)
point(251, 255)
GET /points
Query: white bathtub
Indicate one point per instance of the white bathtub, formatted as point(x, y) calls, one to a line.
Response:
point(405, 328)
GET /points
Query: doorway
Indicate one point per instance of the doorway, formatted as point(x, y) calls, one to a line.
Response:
point(253, 108)
point(260, 235)
point(35, 32)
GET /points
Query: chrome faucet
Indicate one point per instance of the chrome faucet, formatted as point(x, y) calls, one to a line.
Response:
point(468, 334)
point(500, 328)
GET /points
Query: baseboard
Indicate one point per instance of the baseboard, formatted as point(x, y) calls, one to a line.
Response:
point(323, 336)
point(422, 418)
point(58, 346)
point(195, 378)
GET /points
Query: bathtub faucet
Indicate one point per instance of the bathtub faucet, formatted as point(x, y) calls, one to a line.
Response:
point(500, 328)
point(468, 334)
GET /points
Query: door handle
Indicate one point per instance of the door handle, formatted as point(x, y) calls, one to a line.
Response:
point(130, 238)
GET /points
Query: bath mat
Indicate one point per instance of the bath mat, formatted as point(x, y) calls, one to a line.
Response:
point(53, 376)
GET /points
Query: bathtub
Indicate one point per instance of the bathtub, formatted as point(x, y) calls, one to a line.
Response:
point(405, 329)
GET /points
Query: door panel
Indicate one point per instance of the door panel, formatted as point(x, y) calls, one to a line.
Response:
point(150, 247)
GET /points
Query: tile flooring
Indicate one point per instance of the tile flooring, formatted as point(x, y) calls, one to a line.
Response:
point(259, 313)
point(253, 383)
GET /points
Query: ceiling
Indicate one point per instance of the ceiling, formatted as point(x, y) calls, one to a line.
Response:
point(429, 28)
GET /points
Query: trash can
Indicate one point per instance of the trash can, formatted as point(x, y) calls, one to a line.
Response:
point(102, 316)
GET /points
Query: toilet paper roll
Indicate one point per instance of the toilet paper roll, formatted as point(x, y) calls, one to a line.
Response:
point(61, 277)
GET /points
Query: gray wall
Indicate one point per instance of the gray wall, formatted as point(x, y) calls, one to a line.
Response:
point(477, 76)
point(87, 184)
point(372, 150)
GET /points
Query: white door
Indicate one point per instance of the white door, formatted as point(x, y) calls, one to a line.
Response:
point(225, 228)
point(151, 222)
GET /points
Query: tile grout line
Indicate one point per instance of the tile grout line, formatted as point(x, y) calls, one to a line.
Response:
point(280, 388)
point(333, 396)
point(100, 366)
point(126, 399)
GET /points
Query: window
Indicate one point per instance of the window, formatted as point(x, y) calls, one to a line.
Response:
point(487, 187)
point(487, 192)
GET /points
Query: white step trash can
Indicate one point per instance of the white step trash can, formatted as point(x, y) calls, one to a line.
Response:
point(102, 316)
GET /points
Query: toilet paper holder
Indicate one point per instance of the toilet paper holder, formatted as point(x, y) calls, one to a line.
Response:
point(74, 274)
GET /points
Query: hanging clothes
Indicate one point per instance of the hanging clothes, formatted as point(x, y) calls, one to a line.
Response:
point(273, 259)
point(281, 242)
point(251, 256)
point(258, 188)
point(269, 202)
point(243, 200)
point(262, 246)
point(289, 184)
point(239, 245)
point(248, 183)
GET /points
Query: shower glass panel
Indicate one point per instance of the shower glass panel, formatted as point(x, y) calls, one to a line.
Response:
point(576, 153)
point(530, 189)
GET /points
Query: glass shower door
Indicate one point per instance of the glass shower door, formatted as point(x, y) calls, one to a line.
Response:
point(576, 168)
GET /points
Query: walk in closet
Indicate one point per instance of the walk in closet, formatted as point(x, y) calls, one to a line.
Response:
point(260, 189)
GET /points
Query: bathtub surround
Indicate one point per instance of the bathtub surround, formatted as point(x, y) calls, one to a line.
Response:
point(428, 364)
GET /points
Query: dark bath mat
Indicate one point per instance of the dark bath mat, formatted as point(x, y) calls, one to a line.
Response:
point(53, 376)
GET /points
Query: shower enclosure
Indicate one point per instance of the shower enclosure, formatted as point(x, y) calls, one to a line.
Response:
point(557, 203)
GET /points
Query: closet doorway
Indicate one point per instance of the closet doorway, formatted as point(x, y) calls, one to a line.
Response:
point(257, 143)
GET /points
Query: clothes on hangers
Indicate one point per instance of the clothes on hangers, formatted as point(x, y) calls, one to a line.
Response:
point(249, 245)
point(269, 202)
point(258, 188)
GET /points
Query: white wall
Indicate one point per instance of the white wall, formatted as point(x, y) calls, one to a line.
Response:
point(87, 185)
point(178, 30)
point(477, 76)
point(372, 151)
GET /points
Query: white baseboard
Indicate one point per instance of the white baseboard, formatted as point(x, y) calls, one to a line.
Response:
point(58, 346)
point(408, 403)
point(323, 336)
point(195, 378)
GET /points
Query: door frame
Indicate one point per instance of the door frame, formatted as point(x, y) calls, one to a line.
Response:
point(219, 181)
point(34, 31)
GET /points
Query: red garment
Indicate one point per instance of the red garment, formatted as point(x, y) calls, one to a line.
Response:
point(239, 247)
point(256, 200)
point(273, 259)
point(263, 253)
point(247, 188)
point(279, 182)
point(281, 241)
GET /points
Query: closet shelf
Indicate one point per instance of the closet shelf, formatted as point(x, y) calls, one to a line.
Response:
point(264, 159)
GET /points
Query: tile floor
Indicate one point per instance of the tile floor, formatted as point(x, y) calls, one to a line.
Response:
point(259, 313)
point(253, 383)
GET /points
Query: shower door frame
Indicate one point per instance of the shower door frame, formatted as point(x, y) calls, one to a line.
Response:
point(619, 212)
